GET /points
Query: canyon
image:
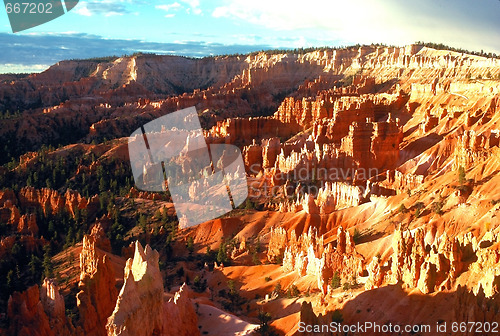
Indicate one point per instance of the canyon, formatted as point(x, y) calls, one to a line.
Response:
point(372, 179)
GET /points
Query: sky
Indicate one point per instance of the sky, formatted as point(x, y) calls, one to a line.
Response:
point(213, 27)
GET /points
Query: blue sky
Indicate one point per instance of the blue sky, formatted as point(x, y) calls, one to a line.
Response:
point(202, 27)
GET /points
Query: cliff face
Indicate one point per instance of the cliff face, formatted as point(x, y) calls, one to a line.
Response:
point(168, 75)
point(434, 263)
point(53, 304)
point(308, 255)
point(139, 305)
point(469, 306)
point(330, 198)
point(180, 314)
point(38, 311)
point(223, 86)
point(415, 267)
point(309, 318)
point(97, 296)
point(241, 131)
point(24, 228)
point(396, 147)
point(141, 308)
point(50, 200)
point(27, 314)
point(346, 142)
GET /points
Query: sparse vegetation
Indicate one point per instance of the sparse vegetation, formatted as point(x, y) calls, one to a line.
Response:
point(258, 246)
point(101, 171)
point(249, 205)
point(107, 59)
point(255, 258)
point(441, 46)
point(495, 202)
point(265, 329)
point(278, 290)
point(48, 268)
point(419, 206)
point(233, 300)
point(346, 286)
point(222, 256)
point(354, 281)
point(292, 291)
point(461, 175)
point(335, 282)
point(402, 209)
point(437, 207)
point(356, 237)
point(210, 256)
point(190, 244)
point(278, 259)
point(199, 285)
point(4, 115)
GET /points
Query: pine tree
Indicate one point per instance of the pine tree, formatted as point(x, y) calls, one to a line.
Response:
point(222, 253)
point(190, 244)
point(143, 222)
point(35, 266)
point(335, 283)
point(461, 175)
point(48, 271)
point(103, 186)
point(10, 279)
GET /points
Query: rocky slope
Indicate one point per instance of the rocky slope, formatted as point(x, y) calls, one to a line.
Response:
point(373, 183)
point(141, 308)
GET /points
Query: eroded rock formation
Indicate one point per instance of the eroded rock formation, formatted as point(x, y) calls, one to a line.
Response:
point(141, 308)
point(435, 265)
point(97, 296)
point(39, 312)
point(308, 255)
point(335, 134)
point(51, 200)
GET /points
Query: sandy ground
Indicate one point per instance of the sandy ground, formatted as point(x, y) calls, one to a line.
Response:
point(215, 322)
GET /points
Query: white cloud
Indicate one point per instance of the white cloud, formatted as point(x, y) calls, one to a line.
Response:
point(169, 8)
point(346, 18)
point(166, 8)
point(457, 22)
point(300, 42)
point(103, 7)
point(22, 68)
point(82, 10)
point(222, 11)
point(194, 6)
